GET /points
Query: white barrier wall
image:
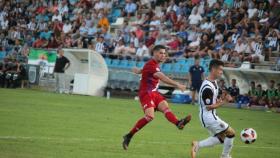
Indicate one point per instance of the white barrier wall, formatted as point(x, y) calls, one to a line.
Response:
point(89, 71)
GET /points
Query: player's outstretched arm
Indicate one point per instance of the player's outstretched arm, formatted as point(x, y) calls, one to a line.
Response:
point(136, 70)
point(169, 81)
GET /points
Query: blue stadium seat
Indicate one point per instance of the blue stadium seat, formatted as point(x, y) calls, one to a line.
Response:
point(181, 61)
point(176, 67)
point(108, 61)
point(115, 63)
point(114, 15)
point(131, 64)
point(190, 61)
point(123, 64)
point(166, 68)
point(140, 64)
point(185, 68)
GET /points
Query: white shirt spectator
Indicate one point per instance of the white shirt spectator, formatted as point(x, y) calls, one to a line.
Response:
point(240, 47)
point(211, 2)
point(108, 5)
point(234, 37)
point(272, 41)
point(99, 5)
point(135, 41)
point(67, 28)
point(31, 26)
point(143, 51)
point(57, 16)
point(2, 15)
point(195, 19)
point(63, 9)
point(130, 7)
point(257, 47)
point(237, 4)
point(219, 37)
point(42, 26)
point(155, 24)
point(4, 24)
point(172, 8)
point(251, 12)
point(225, 57)
point(83, 30)
point(99, 47)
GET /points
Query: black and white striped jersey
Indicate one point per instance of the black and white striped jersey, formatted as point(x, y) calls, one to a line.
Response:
point(208, 95)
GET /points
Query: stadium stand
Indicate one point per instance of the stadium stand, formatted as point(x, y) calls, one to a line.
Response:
point(235, 31)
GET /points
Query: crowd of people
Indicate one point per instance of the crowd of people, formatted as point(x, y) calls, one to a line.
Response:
point(230, 30)
point(13, 75)
point(256, 96)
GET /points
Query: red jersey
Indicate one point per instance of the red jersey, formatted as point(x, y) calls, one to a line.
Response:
point(148, 82)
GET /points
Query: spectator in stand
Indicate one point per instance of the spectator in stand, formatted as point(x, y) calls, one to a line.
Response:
point(222, 88)
point(67, 27)
point(120, 48)
point(142, 52)
point(261, 96)
point(129, 51)
point(196, 76)
point(57, 16)
point(235, 60)
point(99, 5)
point(99, 46)
point(40, 43)
point(53, 43)
point(103, 22)
point(240, 46)
point(271, 94)
point(253, 95)
point(130, 8)
point(234, 90)
point(195, 18)
point(272, 42)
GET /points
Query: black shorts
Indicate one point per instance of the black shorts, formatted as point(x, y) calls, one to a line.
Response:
point(196, 86)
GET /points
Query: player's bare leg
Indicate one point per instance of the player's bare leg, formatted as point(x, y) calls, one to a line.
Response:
point(149, 115)
point(164, 108)
point(194, 149)
point(193, 97)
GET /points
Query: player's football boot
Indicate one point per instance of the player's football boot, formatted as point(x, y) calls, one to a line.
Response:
point(126, 141)
point(181, 124)
point(226, 156)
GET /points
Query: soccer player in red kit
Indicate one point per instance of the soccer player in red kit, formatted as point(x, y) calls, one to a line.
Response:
point(151, 100)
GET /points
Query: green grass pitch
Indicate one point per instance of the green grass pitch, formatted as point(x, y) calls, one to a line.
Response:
point(36, 124)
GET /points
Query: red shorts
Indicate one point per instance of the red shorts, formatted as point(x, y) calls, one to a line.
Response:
point(151, 99)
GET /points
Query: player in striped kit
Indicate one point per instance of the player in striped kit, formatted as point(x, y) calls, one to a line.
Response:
point(209, 101)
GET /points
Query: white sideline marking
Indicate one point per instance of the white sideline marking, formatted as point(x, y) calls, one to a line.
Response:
point(110, 140)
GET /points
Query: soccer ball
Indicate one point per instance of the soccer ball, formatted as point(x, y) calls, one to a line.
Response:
point(248, 135)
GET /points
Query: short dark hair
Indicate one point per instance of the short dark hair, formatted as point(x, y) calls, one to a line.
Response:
point(158, 47)
point(272, 81)
point(253, 82)
point(215, 63)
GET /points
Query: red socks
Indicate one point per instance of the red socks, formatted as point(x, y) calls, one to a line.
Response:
point(140, 124)
point(170, 116)
point(145, 120)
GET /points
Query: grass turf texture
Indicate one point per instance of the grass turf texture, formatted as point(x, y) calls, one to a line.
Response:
point(36, 124)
